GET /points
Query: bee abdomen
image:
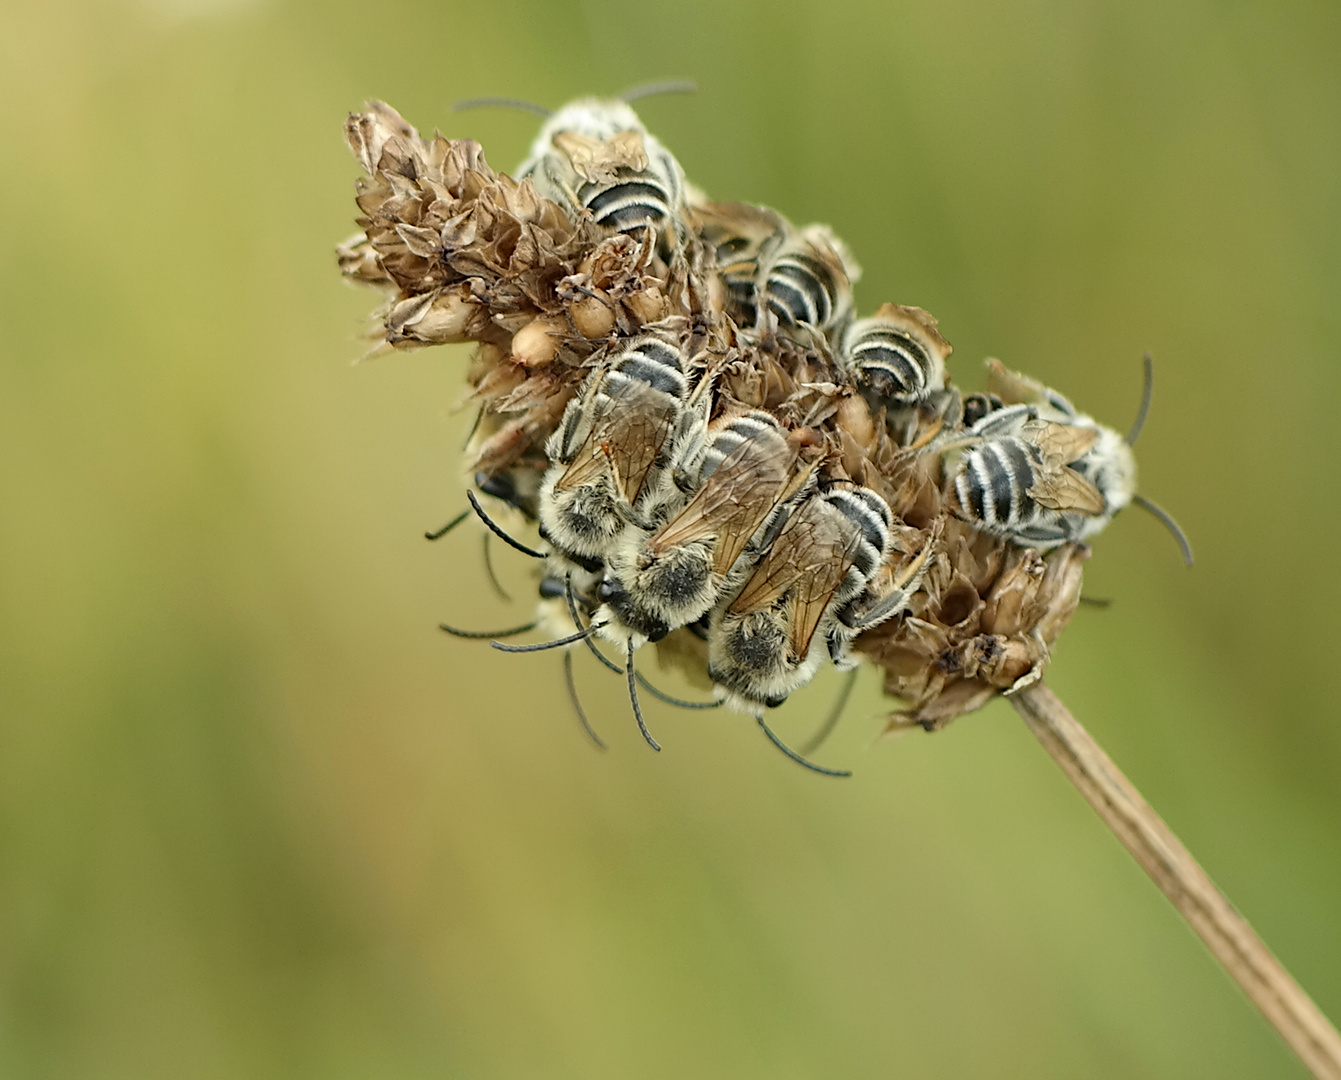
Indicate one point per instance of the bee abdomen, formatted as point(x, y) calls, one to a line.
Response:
point(627, 204)
point(994, 481)
point(892, 364)
point(753, 425)
point(655, 363)
point(872, 518)
point(800, 289)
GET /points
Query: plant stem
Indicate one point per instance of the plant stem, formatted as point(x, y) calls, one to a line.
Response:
point(1226, 933)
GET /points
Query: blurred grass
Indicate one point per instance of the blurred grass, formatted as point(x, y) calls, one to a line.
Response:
point(258, 819)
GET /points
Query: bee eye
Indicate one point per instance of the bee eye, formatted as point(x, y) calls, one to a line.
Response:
point(609, 589)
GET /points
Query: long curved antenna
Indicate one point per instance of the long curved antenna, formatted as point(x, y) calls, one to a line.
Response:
point(577, 705)
point(501, 103)
point(1099, 602)
point(498, 532)
point(558, 643)
point(831, 721)
point(577, 621)
point(1167, 520)
point(633, 698)
point(668, 86)
point(661, 695)
point(438, 534)
point(1147, 392)
point(479, 635)
point(797, 757)
point(489, 570)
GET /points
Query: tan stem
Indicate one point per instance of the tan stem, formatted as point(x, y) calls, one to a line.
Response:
point(1268, 985)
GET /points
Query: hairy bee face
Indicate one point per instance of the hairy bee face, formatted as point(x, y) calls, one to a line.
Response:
point(596, 156)
point(611, 450)
point(769, 640)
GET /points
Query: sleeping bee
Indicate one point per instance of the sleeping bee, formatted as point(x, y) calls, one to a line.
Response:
point(808, 281)
point(897, 356)
point(1035, 470)
point(802, 277)
point(656, 583)
point(611, 450)
point(806, 597)
point(596, 156)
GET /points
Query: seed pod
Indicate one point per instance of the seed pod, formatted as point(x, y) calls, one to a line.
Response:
point(594, 316)
point(538, 341)
point(438, 318)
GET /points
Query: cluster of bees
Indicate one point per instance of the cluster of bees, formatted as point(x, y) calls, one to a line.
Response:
point(720, 456)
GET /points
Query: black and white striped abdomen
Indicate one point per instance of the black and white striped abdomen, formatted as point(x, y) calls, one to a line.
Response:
point(888, 362)
point(799, 288)
point(993, 482)
point(759, 429)
point(650, 360)
point(871, 516)
point(631, 202)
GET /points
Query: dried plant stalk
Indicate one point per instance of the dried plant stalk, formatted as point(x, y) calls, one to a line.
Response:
point(1226, 933)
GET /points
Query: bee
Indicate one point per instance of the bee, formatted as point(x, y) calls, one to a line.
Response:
point(1036, 470)
point(772, 637)
point(596, 156)
point(803, 277)
point(897, 356)
point(611, 451)
point(808, 281)
point(670, 578)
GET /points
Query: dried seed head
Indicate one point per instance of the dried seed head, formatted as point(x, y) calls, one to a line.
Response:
point(469, 254)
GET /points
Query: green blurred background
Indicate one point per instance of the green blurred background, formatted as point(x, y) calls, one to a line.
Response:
point(258, 818)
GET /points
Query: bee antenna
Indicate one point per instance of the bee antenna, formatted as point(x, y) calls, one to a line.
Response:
point(501, 103)
point(498, 532)
point(661, 695)
point(797, 757)
point(489, 569)
point(548, 644)
point(633, 699)
point(577, 621)
point(1147, 391)
point(671, 86)
point(1166, 519)
point(438, 534)
point(831, 721)
point(479, 634)
point(1100, 602)
point(577, 705)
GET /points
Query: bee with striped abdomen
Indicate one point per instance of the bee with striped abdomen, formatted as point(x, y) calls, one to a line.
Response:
point(611, 451)
point(897, 356)
point(670, 578)
point(770, 638)
point(596, 156)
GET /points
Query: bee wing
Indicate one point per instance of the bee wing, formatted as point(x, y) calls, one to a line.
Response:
point(806, 564)
point(629, 428)
point(1060, 444)
point(1066, 490)
point(596, 160)
point(731, 506)
point(1015, 388)
point(748, 229)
